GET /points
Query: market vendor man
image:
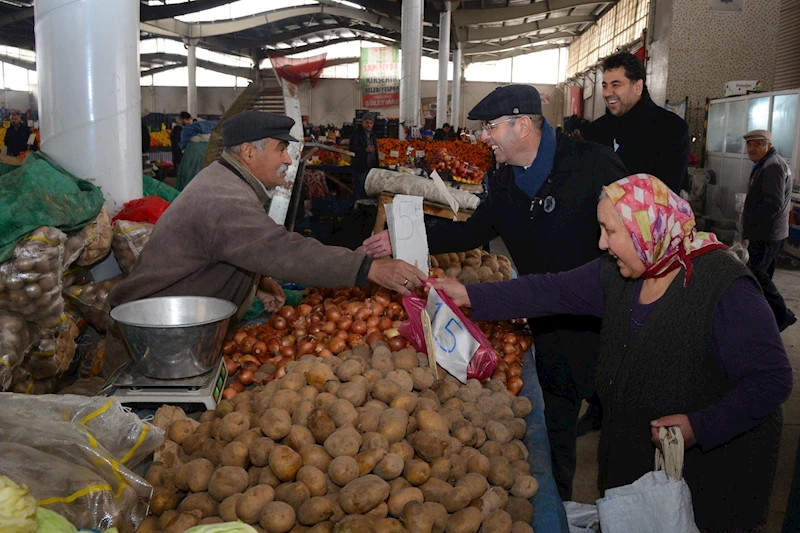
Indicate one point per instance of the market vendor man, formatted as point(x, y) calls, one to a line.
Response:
point(542, 201)
point(216, 239)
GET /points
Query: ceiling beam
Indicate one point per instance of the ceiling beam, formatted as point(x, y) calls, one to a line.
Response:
point(510, 53)
point(485, 34)
point(514, 44)
point(30, 65)
point(243, 72)
point(315, 46)
point(176, 10)
point(471, 17)
point(180, 61)
point(16, 16)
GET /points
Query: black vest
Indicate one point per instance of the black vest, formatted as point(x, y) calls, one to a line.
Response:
point(667, 368)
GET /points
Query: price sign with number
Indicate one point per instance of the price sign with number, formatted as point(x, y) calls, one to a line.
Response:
point(407, 230)
point(453, 342)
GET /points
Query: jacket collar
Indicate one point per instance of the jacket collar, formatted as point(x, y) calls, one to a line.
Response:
point(264, 195)
point(763, 160)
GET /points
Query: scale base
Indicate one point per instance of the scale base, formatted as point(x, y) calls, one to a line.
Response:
point(130, 387)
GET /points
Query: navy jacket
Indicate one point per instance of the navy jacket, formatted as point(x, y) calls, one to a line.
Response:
point(766, 209)
point(359, 142)
point(648, 139)
point(17, 139)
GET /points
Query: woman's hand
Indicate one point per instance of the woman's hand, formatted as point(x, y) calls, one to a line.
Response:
point(682, 421)
point(455, 290)
point(271, 294)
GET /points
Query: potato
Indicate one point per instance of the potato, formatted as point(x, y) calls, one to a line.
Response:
point(398, 484)
point(249, 506)
point(393, 424)
point(481, 440)
point(406, 401)
point(422, 378)
point(342, 412)
point(521, 527)
point(166, 518)
point(318, 375)
point(521, 405)
point(308, 394)
point(163, 499)
point(402, 378)
point(519, 509)
point(195, 441)
point(475, 483)
point(179, 430)
point(403, 449)
point(155, 472)
point(233, 425)
point(275, 423)
point(268, 477)
point(501, 473)
point(458, 468)
point(363, 494)
point(324, 399)
point(367, 421)
point(517, 427)
point(454, 404)
point(354, 523)
point(150, 525)
point(315, 455)
point(434, 490)
point(210, 521)
point(254, 473)
point(235, 454)
point(183, 521)
point(321, 424)
point(379, 512)
point(498, 521)
point(372, 375)
point(416, 519)
point(405, 359)
point(295, 494)
point(322, 527)
point(430, 444)
point(369, 459)
point(200, 501)
point(313, 478)
point(301, 413)
point(286, 399)
point(492, 449)
point(430, 420)
point(344, 441)
point(260, 450)
point(314, 510)
point(399, 499)
point(525, 487)
point(390, 467)
point(385, 390)
point(200, 472)
point(456, 498)
point(332, 386)
point(389, 525)
point(299, 437)
point(277, 517)
point(440, 468)
point(355, 391)
point(417, 472)
point(498, 432)
point(348, 369)
point(228, 480)
point(293, 382)
point(465, 432)
point(515, 451)
point(285, 462)
point(467, 520)
point(479, 464)
point(372, 441)
point(343, 470)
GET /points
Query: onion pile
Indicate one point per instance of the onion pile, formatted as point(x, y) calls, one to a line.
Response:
point(326, 323)
point(510, 340)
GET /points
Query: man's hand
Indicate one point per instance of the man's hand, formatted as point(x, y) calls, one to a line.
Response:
point(396, 275)
point(271, 294)
point(379, 245)
point(455, 290)
point(682, 421)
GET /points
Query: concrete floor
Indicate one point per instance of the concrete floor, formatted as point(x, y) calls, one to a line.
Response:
point(787, 279)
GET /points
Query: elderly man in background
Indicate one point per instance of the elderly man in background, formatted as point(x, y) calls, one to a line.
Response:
point(364, 144)
point(17, 135)
point(765, 221)
point(216, 239)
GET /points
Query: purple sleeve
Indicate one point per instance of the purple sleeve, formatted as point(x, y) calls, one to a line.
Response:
point(749, 348)
point(574, 292)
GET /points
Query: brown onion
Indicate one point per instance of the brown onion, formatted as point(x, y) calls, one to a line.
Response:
point(514, 385)
point(377, 309)
point(300, 332)
point(343, 334)
point(509, 348)
point(363, 313)
point(510, 338)
point(288, 312)
point(333, 314)
point(288, 352)
point(355, 340)
point(397, 343)
point(229, 393)
point(306, 346)
point(382, 298)
point(277, 322)
point(320, 336)
point(229, 347)
point(359, 327)
point(274, 346)
point(246, 377)
point(345, 323)
point(374, 336)
point(304, 309)
point(231, 366)
point(325, 352)
point(373, 321)
point(329, 327)
point(385, 323)
point(259, 348)
point(337, 345)
point(236, 385)
point(315, 328)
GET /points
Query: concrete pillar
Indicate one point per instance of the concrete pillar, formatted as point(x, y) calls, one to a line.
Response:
point(87, 59)
point(191, 90)
point(457, 69)
point(411, 47)
point(444, 57)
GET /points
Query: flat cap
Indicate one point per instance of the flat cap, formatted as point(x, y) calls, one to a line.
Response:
point(508, 100)
point(758, 134)
point(368, 116)
point(249, 126)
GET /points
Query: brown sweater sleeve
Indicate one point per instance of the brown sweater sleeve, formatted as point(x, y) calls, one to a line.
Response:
point(246, 237)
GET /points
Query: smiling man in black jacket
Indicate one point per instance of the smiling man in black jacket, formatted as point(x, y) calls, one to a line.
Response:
point(648, 138)
point(543, 202)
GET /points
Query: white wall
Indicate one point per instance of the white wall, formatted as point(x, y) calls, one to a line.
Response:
point(18, 100)
point(210, 100)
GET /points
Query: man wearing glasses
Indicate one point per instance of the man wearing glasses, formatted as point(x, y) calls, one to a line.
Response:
point(765, 221)
point(543, 202)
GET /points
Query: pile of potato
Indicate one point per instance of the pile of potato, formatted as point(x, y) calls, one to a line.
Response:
point(474, 266)
point(92, 301)
point(128, 241)
point(367, 441)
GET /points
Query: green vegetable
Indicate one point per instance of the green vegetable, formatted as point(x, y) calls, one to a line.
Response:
point(51, 522)
point(227, 527)
point(17, 508)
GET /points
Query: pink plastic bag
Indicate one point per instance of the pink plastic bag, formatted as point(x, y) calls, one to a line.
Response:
point(483, 361)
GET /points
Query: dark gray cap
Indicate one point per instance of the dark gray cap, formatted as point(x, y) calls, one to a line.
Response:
point(249, 126)
point(369, 116)
point(508, 100)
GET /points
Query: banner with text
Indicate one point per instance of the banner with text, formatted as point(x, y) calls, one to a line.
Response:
point(380, 76)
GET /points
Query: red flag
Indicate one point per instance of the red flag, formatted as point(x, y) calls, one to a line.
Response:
point(297, 70)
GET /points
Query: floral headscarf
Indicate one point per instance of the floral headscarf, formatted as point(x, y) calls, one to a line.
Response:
point(661, 224)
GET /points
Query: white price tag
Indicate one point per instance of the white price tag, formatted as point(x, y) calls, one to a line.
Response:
point(381, 156)
point(420, 153)
point(394, 153)
point(407, 230)
point(453, 342)
point(315, 158)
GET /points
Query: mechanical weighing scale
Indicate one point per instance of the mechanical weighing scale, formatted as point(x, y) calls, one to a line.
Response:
point(129, 386)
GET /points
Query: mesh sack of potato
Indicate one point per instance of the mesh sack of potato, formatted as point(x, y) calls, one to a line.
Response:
point(128, 240)
point(52, 353)
point(91, 244)
point(365, 441)
point(30, 282)
point(35, 386)
point(92, 301)
point(16, 338)
point(76, 453)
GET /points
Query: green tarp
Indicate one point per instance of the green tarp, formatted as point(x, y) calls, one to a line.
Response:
point(153, 187)
point(191, 164)
point(40, 193)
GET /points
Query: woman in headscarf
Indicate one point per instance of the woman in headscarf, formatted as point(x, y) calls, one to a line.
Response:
point(687, 340)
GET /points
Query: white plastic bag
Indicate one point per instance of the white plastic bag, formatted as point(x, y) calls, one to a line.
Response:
point(656, 502)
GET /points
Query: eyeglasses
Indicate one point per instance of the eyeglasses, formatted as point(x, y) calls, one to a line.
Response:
point(490, 126)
